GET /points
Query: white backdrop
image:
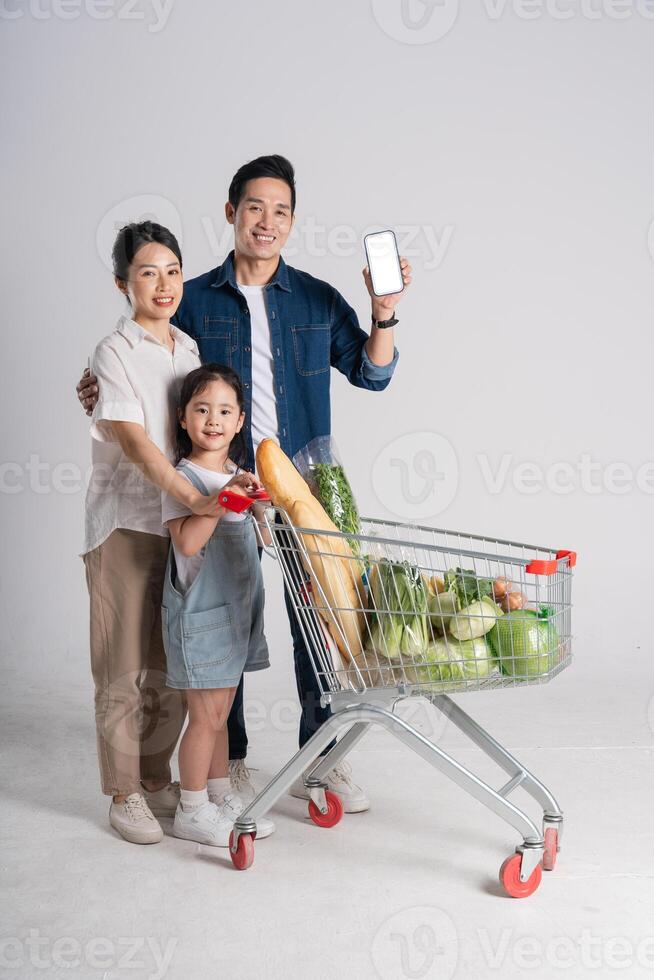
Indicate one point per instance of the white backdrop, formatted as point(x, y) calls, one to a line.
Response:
point(510, 144)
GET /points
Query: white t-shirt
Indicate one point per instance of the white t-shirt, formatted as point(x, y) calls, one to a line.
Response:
point(139, 381)
point(189, 566)
point(263, 423)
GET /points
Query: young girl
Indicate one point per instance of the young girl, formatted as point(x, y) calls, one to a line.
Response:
point(212, 609)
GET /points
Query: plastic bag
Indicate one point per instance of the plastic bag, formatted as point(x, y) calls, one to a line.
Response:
point(320, 465)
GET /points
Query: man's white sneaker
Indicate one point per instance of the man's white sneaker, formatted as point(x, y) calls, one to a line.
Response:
point(239, 777)
point(205, 824)
point(233, 806)
point(339, 781)
point(134, 820)
point(163, 802)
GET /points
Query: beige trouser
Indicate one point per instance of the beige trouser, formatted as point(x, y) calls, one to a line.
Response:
point(138, 719)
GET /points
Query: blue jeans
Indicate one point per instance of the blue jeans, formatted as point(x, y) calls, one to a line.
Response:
point(312, 716)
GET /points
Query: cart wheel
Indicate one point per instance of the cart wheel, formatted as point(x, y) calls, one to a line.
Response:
point(510, 878)
point(334, 810)
point(244, 856)
point(551, 847)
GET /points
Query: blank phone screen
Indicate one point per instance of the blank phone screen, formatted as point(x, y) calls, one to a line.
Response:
point(384, 263)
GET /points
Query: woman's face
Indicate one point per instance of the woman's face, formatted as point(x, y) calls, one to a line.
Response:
point(213, 417)
point(155, 284)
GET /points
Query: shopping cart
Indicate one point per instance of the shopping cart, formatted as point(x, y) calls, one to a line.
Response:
point(406, 636)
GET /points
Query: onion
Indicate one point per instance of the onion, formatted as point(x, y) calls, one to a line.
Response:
point(500, 588)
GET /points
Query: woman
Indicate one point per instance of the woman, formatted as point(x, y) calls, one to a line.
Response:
point(141, 366)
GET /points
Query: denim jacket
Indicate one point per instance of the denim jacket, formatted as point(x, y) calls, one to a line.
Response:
point(312, 327)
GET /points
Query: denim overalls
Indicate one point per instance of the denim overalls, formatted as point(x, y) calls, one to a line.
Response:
point(215, 631)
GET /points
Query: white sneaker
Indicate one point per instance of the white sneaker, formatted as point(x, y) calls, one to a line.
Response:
point(205, 824)
point(239, 777)
point(163, 802)
point(339, 781)
point(134, 820)
point(233, 806)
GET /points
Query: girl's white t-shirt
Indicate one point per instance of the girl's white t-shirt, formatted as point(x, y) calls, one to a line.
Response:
point(188, 567)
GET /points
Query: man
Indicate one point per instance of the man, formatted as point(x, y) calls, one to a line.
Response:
point(281, 330)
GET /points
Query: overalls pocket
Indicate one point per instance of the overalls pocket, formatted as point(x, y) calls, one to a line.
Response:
point(207, 637)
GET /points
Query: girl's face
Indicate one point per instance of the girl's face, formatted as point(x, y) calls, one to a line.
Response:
point(155, 285)
point(213, 417)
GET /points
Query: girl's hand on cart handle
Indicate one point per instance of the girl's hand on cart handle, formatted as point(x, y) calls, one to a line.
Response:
point(244, 483)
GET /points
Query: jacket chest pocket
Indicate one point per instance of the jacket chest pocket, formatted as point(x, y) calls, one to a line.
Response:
point(311, 344)
point(219, 340)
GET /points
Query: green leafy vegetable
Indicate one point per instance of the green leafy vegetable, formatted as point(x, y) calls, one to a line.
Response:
point(398, 598)
point(450, 661)
point(475, 620)
point(335, 494)
point(467, 586)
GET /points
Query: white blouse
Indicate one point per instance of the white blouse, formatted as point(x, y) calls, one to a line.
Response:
point(139, 380)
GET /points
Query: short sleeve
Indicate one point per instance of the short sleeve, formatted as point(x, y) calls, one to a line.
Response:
point(117, 401)
point(171, 508)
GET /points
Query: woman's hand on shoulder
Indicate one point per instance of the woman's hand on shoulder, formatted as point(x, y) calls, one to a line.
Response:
point(207, 506)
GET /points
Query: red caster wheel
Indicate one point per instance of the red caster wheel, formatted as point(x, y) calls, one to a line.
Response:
point(334, 810)
point(244, 851)
point(551, 847)
point(510, 878)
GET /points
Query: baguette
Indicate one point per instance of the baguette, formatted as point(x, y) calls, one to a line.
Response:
point(334, 572)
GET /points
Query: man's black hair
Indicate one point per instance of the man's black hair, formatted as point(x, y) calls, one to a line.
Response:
point(271, 166)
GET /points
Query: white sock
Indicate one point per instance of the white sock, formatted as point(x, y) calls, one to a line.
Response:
point(219, 787)
point(192, 799)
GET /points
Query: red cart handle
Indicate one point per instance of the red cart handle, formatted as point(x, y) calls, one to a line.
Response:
point(549, 566)
point(237, 503)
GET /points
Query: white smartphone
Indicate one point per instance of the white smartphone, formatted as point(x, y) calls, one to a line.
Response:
point(384, 263)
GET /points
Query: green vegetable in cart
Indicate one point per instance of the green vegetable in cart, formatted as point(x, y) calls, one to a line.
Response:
point(449, 660)
point(467, 586)
point(525, 642)
point(475, 620)
point(398, 601)
point(335, 494)
point(442, 607)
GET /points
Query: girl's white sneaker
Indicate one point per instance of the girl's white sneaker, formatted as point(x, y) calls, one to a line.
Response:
point(233, 806)
point(134, 820)
point(206, 824)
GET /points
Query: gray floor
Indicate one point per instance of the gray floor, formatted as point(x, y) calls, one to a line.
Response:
point(407, 890)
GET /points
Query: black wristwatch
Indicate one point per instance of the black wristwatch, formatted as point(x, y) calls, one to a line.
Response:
point(385, 324)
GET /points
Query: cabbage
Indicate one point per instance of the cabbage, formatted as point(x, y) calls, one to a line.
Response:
point(475, 620)
point(450, 660)
point(525, 642)
point(442, 606)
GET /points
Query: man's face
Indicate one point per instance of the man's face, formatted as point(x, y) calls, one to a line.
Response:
point(263, 220)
